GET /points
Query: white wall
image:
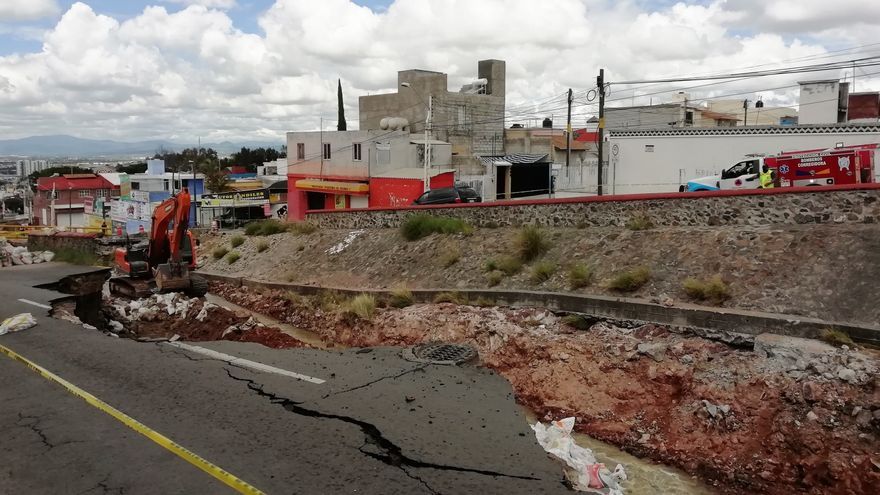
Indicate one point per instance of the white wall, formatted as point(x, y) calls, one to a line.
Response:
point(681, 155)
point(818, 102)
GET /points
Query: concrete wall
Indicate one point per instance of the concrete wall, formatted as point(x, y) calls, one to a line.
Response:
point(837, 204)
point(660, 160)
point(62, 240)
point(820, 102)
point(649, 117)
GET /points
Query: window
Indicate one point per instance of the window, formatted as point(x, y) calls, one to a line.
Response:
point(689, 118)
point(85, 193)
point(102, 193)
point(356, 152)
point(167, 185)
point(135, 186)
point(326, 151)
point(300, 151)
point(383, 153)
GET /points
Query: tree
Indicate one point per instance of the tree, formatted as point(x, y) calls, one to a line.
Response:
point(341, 125)
point(216, 178)
point(133, 168)
point(253, 158)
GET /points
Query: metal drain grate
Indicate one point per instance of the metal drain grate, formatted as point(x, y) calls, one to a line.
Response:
point(440, 353)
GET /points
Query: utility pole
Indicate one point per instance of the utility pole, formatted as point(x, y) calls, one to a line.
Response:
point(745, 112)
point(195, 198)
point(600, 82)
point(428, 120)
point(568, 134)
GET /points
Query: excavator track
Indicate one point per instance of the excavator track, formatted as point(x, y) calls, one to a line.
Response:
point(132, 288)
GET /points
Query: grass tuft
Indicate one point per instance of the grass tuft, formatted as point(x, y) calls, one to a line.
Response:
point(542, 271)
point(451, 297)
point(236, 241)
point(262, 246)
point(509, 265)
point(494, 278)
point(232, 257)
point(630, 280)
point(713, 290)
point(639, 221)
point(449, 257)
point(836, 337)
point(401, 298)
point(484, 301)
point(577, 321)
point(531, 243)
point(219, 252)
point(265, 227)
point(421, 225)
point(364, 306)
point(303, 228)
point(579, 276)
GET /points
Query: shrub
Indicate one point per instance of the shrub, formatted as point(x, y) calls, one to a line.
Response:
point(304, 228)
point(219, 252)
point(713, 290)
point(490, 265)
point(295, 298)
point(639, 221)
point(236, 241)
point(77, 257)
point(836, 337)
point(509, 265)
point(450, 257)
point(364, 306)
point(417, 226)
point(329, 300)
point(232, 257)
point(577, 321)
point(579, 275)
point(494, 278)
point(531, 243)
point(630, 280)
point(401, 298)
point(483, 301)
point(265, 227)
point(451, 297)
point(542, 271)
point(262, 246)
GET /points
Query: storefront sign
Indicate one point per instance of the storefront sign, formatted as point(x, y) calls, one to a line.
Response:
point(252, 197)
point(124, 186)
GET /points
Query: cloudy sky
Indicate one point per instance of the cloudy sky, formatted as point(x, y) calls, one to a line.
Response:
point(253, 69)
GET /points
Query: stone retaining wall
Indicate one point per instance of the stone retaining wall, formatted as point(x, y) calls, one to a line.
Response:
point(61, 240)
point(842, 204)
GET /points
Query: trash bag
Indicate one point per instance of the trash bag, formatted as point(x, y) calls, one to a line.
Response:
point(582, 469)
point(17, 323)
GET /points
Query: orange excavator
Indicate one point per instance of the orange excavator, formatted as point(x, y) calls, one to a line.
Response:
point(165, 262)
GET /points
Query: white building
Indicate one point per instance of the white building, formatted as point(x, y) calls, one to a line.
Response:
point(823, 102)
point(27, 167)
point(660, 160)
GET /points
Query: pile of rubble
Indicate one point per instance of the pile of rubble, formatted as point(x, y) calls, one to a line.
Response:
point(19, 255)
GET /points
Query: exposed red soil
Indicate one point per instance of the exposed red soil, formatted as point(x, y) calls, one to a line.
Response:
point(766, 442)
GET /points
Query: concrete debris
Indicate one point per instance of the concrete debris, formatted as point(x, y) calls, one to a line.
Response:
point(811, 416)
point(204, 311)
point(19, 255)
point(686, 359)
point(846, 375)
point(803, 358)
point(657, 352)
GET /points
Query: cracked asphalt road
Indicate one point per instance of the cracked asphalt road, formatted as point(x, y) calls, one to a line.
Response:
point(379, 424)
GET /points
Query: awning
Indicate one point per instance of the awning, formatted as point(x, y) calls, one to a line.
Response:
point(333, 187)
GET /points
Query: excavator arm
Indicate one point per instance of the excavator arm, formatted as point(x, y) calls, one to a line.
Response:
point(164, 247)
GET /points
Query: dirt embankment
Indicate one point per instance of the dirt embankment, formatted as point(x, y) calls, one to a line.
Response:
point(823, 271)
point(791, 416)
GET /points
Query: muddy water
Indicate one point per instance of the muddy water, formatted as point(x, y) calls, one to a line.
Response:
point(304, 335)
point(643, 476)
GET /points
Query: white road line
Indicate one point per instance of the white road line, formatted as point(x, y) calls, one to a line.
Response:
point(32, 303)
point(245, 363)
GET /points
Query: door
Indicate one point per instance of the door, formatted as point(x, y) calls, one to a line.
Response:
point(743, 175)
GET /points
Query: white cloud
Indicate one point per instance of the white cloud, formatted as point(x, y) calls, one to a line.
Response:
point(193, 72)
point(25, 10)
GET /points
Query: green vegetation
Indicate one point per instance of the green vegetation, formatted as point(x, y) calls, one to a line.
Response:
point(494, 278)
point(265, 227)
point(713, 290)
point(509, 265)
point(483, 302)
point(219, 252)
point(630, 280)
point(401, 298)
point(451, 297)
point(295, 298)
point(836, 337)
point(303, 228)
point(577, 321)
point(77, 257)
point(490, 265)
point(328, 300)
point(236, 241)
point(542, 271)
point(262, 246)
point(531, 243)
point(364, 306)
point(418, 226)
point(639, 221)
point(579, 276)
point(232, 257)
point(450, 256)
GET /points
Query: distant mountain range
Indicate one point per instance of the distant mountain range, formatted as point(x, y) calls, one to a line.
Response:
point(74, 147)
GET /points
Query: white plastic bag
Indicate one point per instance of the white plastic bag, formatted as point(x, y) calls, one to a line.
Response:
point(582, 469)
point(17, 323)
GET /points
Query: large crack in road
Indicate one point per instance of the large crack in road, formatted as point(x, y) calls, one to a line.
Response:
point(389, 453)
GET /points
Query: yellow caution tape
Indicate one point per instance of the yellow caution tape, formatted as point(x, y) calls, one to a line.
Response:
point(232, 481)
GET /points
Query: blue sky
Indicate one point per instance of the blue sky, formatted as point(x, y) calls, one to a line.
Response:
point(23, 37)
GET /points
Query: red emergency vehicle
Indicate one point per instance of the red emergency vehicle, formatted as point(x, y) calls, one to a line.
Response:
point(825, 167)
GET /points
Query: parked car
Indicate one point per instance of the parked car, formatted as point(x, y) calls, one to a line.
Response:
point(446, 195)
